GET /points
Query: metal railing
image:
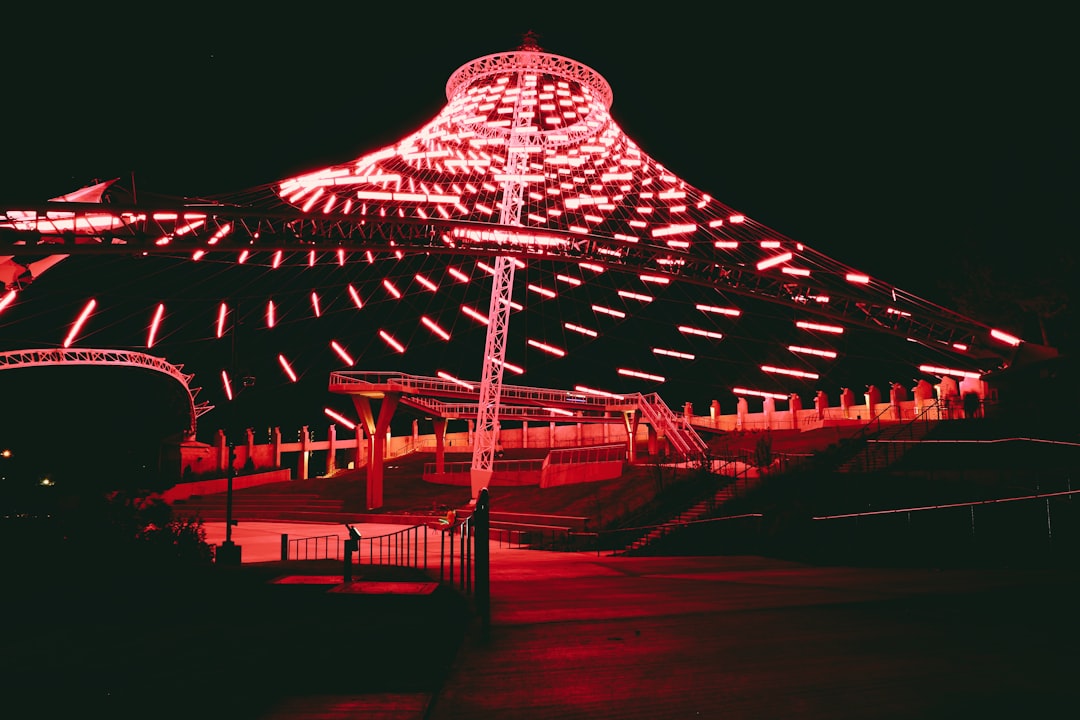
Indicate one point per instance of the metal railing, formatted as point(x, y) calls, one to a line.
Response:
point(311, 548)
point(461, 559)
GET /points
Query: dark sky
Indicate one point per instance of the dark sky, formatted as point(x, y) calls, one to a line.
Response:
point(893, 138)
point(884, 138)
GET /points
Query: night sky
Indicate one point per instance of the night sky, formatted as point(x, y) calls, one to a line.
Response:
point(898, 141)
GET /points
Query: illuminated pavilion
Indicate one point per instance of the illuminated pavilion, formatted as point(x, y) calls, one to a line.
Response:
point(518, 234)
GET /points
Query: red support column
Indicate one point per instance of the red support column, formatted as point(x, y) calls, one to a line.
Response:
point(440, 452)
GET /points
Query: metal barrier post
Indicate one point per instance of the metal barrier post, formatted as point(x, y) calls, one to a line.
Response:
point(481, 525)
point(284, 547)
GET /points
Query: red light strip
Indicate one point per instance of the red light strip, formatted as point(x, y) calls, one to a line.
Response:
point(315, 304)
point(8, 299)
point(635, 296)
point(812, 351)
point(733, 312)
point(517, 369)
point(674, 353)
point(1005, 337)
point(759, 393)
point(270, 319)
point(154, 325)
point(774, 260)
point(857, 278)
point(226, 384)
point(389, 340)
point(549, 349)
point(474, 314)
point(792, 373)
point(356, 298)
point(609, 311)
point(698, 331)
point(222, 312)
point(426, 283)
point(580, 329)
point(342, 353)
point(434, 327)
point(79, 323)
point(286, 367)
point(598, 393)
point(817, 326)
point(391, 289)
point(456, 381)
point(277, 260)
point(934, 370)
point(541, 290)
point(340, 418)
point(458, 275)
point(638, 374)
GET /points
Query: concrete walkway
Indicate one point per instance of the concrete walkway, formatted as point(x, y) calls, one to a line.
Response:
point(582, 636)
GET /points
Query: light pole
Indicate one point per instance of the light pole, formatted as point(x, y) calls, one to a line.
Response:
point(230, 553)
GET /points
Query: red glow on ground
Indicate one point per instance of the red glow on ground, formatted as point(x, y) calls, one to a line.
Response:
point(89, 308)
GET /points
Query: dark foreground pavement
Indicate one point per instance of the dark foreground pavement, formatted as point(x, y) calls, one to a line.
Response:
point(580, 636)
point(571, 636)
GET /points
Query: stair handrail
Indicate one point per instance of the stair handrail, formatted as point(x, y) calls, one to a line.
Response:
point(682, 434)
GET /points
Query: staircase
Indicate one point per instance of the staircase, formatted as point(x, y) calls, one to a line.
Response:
point(698, 511)
point(250, 506)
point(889, 444)
point(676, 428)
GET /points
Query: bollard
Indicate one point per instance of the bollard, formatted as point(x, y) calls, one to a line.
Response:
point(284, 547)
point(351, 545)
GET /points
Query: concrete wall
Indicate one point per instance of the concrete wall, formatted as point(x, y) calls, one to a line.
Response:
point(183, 491)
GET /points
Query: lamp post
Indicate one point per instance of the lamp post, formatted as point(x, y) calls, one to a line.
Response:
point(230, 553)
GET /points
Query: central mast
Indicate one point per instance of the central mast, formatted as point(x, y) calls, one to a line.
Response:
point(521, 143)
